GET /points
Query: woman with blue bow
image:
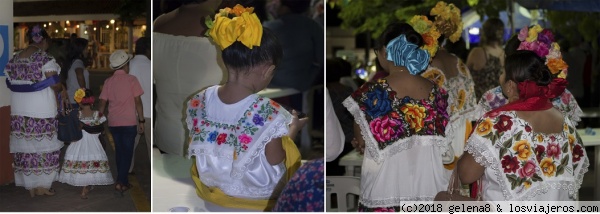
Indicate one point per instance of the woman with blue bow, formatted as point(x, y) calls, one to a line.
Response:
point(401, 119)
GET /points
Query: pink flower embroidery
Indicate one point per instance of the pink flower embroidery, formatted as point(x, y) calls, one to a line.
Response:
point(527, 170)
point(245, 139)
point(384, 128)
point(553, 150)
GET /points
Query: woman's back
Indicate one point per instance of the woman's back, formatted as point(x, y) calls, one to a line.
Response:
point(529, 156)
point(485, 64)
point(404, 140)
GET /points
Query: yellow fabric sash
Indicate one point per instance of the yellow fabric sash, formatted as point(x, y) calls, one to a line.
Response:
point(216, 196)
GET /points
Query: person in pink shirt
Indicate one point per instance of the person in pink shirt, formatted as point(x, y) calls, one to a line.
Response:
point(123, 93)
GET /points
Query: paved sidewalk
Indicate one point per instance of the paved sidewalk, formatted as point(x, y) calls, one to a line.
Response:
point(100, 199)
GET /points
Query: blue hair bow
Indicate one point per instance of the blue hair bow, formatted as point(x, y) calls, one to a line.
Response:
point(409, 55)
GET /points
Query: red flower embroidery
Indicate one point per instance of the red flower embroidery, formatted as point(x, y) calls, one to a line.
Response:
point(504, 123)
point(577, 153)
point(539, 151)
point(96, 164)
point(528, 128)
point(221, 138)
point(510, 164)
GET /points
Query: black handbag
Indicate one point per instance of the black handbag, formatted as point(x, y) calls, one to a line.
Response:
point(69, 129)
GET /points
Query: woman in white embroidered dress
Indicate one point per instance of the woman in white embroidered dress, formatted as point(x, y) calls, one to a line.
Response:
point(494, 98)
point(85, 161)
point(451, 74)
point(401, 119)
point(242, 155)
point(32, 77)
point(527, 149)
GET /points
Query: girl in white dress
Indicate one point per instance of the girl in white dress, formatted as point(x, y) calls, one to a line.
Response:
point(85, 160)
point(241, 141)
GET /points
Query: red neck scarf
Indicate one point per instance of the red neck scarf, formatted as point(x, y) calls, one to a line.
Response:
point(533, 97)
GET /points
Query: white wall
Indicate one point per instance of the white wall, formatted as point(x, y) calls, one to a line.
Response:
point(6, 19)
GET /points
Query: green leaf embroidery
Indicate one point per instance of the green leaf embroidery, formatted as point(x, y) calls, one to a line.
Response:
point(514, 181)
point(536, 178)
point(518, 136)
point(565, 148)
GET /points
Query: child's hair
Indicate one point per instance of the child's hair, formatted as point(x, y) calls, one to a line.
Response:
point(396, 29)
point(88, 99)
point(512, 45)
point(35, 34)
point(238, 56)
point(527, 65)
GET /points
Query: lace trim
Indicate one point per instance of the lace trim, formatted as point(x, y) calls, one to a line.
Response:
point(208, 152)
point(392, 201)
point(575, 114)
point(84, 167)
point(398, 146)
point(278, 129)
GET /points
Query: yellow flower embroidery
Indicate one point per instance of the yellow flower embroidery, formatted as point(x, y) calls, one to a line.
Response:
point(523, 149)
point(571, 141)
point(485, 127)
point(540, 138)
point(462, 67)
point(414, 114)
point(527, 184)
point(548, 167)
point(435, 75)
point(462, 98)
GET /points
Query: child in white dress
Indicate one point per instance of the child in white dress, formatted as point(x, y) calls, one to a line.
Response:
point(85, 161)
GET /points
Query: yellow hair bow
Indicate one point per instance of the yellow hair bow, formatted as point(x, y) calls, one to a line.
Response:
point(244, 27)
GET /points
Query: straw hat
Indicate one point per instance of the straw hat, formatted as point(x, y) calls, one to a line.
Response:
point(119, 58)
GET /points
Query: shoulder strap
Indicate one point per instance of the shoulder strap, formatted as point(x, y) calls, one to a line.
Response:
point(484, 53)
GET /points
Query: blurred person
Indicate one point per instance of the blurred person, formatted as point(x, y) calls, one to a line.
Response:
point(527, 145)
point(486, 61)
point(304, 192)
point(450, 73)
point(33, 78)
point(336, 93)
point(94, 51)
point(242, 158)
point(139, 67)
point(185, 61)
point(302, 41)
point(77, 75)
point(122, 92)
point(575, 57)
point(495, 97)
point(85, 162)
point(335, 135)
point(401, 121)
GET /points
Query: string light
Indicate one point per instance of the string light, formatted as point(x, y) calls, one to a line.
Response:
point(44, 25)
point(112, 21)
point(68, 22)
point(56, 31)
point(94, 28)
point(117, 28)
point(65, 29)
point(77, 26)
point(49, 23)
point(85, 32)
point(107, 26)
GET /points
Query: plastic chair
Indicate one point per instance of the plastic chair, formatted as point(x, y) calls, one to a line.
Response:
point(343, 187)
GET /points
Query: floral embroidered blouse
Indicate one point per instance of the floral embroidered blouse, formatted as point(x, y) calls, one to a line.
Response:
point(228, 141)
point(494, 98)
point(404, 139)
point(521, 164)
point(461, 100)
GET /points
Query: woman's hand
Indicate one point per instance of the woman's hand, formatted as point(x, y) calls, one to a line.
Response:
point(360, 147)
point(296, 125)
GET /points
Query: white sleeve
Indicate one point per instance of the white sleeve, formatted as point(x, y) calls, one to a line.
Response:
point(51, 66)
point(335, 135)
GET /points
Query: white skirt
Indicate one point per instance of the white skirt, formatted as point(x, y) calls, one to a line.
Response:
point(86, 163)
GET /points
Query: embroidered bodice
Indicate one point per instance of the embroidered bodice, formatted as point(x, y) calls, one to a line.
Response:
point(494, 98)
point(388, 122)
point(460, 88)
point(228, 141)
point(524, 165)
point(96, 119)
point(30, 69)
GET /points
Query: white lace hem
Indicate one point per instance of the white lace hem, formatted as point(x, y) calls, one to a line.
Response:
point(392, 201)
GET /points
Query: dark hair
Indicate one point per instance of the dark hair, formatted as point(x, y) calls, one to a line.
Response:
point(75, 48)
point(43, 33)
point(527, 65)
point(296, 6)
point(338, 68)
point(142, 45)
point(512, 45)
point(396, 29)
point(238, 56)
point(490, 29)
point(88, 93)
